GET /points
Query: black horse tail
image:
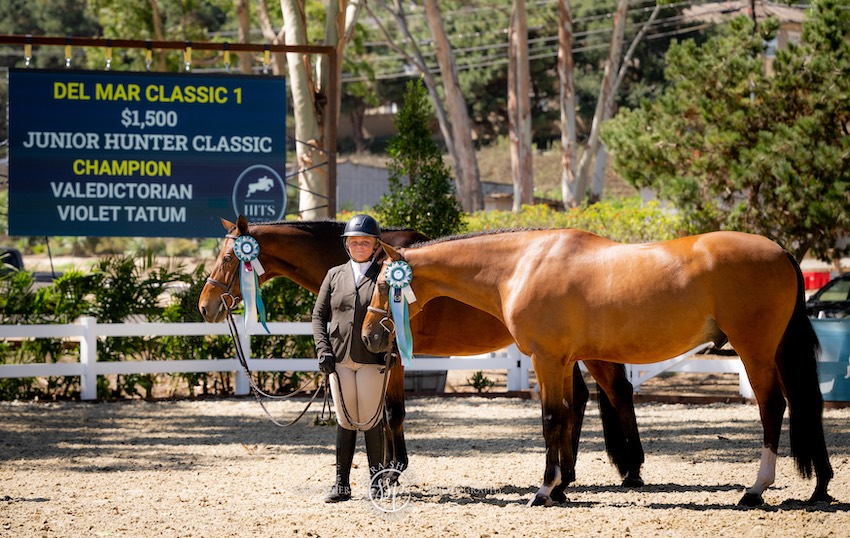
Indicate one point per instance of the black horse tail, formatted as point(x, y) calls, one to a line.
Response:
point(796, 359)
point(625, 454)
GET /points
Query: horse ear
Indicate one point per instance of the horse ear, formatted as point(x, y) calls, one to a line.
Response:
point(242, 225)
point(394, 254)
point(227, 224)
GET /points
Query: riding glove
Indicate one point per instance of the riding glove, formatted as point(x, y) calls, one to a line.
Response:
point(327, 364)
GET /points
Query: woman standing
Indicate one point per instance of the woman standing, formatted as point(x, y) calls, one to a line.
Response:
point(355, 375)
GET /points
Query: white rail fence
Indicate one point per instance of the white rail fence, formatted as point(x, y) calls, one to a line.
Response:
point(87, 331)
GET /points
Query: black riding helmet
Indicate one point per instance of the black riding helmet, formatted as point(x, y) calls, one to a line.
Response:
point(361, 225)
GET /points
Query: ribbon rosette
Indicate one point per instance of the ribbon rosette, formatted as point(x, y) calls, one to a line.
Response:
point(399, 275)
point(247, 251)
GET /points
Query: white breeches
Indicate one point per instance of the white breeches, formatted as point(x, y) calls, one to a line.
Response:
point(362, 387)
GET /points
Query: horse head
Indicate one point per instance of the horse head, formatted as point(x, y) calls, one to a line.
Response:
point(221, 292)
point(378, 327)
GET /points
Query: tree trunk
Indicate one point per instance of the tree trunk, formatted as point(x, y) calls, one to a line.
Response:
point(278, 60)
point(157, 32)
point(605, 100)
point(519, 108)
point(601, 161)
point(568, 106)
point(418, 60)
point(243, 16)
point(471, 195)
point(312, 179)
point(356, 116)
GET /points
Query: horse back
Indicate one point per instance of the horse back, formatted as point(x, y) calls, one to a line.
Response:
point(645, 302)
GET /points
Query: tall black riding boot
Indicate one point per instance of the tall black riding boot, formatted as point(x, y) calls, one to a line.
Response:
point(375, 455)
point(345, 441)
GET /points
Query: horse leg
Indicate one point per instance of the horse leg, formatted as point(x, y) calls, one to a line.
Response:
point(396, 453)
point(619, 425)
point(575, 413)
point(771, 404)
point(552, 380)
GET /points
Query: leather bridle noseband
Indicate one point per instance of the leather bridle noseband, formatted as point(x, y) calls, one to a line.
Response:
point(227, 294)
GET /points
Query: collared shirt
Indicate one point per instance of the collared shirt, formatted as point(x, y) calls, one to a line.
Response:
point(360, 269)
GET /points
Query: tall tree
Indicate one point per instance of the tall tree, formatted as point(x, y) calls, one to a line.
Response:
point(451, 107)
point(603, 105)
point(471, 195)
point(735, 148)
point(408, 48)
point(566, 99)
point(519, 108)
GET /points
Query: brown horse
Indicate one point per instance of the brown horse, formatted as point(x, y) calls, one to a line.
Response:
point(304, 251)
point(566, 295)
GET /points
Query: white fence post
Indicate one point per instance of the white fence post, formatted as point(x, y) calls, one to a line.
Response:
point(88, 358)
point(518, 371)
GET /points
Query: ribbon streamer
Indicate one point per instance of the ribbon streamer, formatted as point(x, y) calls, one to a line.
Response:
point(399, 275)
point(247, 251)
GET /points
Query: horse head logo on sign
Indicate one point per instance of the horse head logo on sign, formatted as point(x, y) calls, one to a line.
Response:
point(259, 193)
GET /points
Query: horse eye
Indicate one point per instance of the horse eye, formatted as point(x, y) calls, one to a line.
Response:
point(227, 258)
point(383, 288)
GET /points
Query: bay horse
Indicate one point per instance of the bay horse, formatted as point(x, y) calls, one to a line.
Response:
point(567, 295)
point(303, 251)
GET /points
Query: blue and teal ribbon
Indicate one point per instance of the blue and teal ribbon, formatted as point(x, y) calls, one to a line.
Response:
point(247, 251)
point(399, 275)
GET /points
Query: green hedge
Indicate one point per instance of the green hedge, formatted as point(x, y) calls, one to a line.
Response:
point(627, 220)
point(127, 288)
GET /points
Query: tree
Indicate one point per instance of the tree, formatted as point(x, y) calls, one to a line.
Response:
point(519, 108)
point(451, 107)
point(420, 187)
point(735, 148)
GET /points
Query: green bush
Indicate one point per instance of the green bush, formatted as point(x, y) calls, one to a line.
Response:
point(625, 220)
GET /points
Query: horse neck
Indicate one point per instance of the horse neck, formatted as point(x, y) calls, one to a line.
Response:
point(456, 269)
point(301, 254)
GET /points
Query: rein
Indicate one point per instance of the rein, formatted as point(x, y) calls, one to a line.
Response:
point(230, 302)
point(381, 408)
point(258, 392)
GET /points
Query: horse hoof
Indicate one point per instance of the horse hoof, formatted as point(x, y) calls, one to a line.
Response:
point(558, 497)
point(629, 482)
point(820, 497)
point(751, 499)
point(541, 500)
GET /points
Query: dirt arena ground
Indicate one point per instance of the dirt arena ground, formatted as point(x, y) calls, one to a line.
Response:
point(220, 468)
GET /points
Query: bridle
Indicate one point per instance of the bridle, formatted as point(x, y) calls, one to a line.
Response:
point(386, 321)
point(230, 302)
point(227, 294)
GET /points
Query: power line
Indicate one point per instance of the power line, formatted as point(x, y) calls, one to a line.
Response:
point(489, 60)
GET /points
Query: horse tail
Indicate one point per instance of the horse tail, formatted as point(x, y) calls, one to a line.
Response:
point(615, 437)
point(796, 360)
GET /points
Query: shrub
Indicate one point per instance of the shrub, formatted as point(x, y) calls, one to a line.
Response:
point(626, 220)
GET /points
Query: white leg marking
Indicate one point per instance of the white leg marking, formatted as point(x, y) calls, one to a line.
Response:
point(767, 472)
point(545, 490)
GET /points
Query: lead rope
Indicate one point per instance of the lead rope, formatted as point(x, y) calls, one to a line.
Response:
point(361, 426)
point(258, 392)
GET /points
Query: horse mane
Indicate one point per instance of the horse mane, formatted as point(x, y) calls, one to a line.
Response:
point(321, 224)
point(470, 235)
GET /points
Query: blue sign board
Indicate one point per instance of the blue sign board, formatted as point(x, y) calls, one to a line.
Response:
point(142, 154)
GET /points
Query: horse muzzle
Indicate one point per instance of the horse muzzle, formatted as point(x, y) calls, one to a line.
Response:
point(376, 336)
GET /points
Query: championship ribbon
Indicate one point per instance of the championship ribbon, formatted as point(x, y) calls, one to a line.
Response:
point(399, 275)
point(247, 251)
